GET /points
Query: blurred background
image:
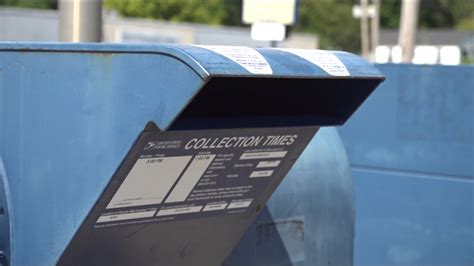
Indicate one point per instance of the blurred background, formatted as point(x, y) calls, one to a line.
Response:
point(442, 30)
point(411, 144)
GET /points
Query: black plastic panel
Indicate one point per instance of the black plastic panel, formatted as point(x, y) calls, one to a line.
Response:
point(227, 102)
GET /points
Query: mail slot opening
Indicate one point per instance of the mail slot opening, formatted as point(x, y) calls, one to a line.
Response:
point(235, 102)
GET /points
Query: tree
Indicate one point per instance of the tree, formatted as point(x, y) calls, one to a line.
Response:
point(197, 11)
point(433, 14)
point(40, 4)
point(332, 20)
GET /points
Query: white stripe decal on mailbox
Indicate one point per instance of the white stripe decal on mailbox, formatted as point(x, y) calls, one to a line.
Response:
point(323, 59)
point(246, 57)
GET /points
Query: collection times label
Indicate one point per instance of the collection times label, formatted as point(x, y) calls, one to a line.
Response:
point(192, 174)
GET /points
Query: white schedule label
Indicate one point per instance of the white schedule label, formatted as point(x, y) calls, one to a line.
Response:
point(247, 57)
point(323, 59)
point(125, 216)
point(190, 178)
point(264, 173)
point(266, 164)
point(149, 181)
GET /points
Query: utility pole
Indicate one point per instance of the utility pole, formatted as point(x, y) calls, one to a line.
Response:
point(408, 29)
point(375, 27)
point(364, 28)
point(80, 20)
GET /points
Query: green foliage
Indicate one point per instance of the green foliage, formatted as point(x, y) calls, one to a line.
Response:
point(40, 4)
point(464, 14)
point(332, 20)
point(197, 11)
point(466, 24)
point(390, 13)
point(234, 12)
point(433, 14)
point(437, 13)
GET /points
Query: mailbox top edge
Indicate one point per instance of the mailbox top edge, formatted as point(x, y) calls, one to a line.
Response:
point(208, 61)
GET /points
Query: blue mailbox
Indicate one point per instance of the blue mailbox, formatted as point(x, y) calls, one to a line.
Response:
point(166, 154)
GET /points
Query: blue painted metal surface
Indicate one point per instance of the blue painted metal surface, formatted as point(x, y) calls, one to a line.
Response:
point(411, 150)
point(59, 127)
point(5, 221)
point(69, 113)
point(304, 223)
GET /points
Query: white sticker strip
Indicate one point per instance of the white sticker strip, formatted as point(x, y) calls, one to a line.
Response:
point(149, 181)
point(262, 155)
point(239, 204)
point(179, 211)
point(268, 164)
point(246, 57)
point(214, 207)
point(261, 173)
point(125, 216)
point(190, 178)
point(323, 59)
